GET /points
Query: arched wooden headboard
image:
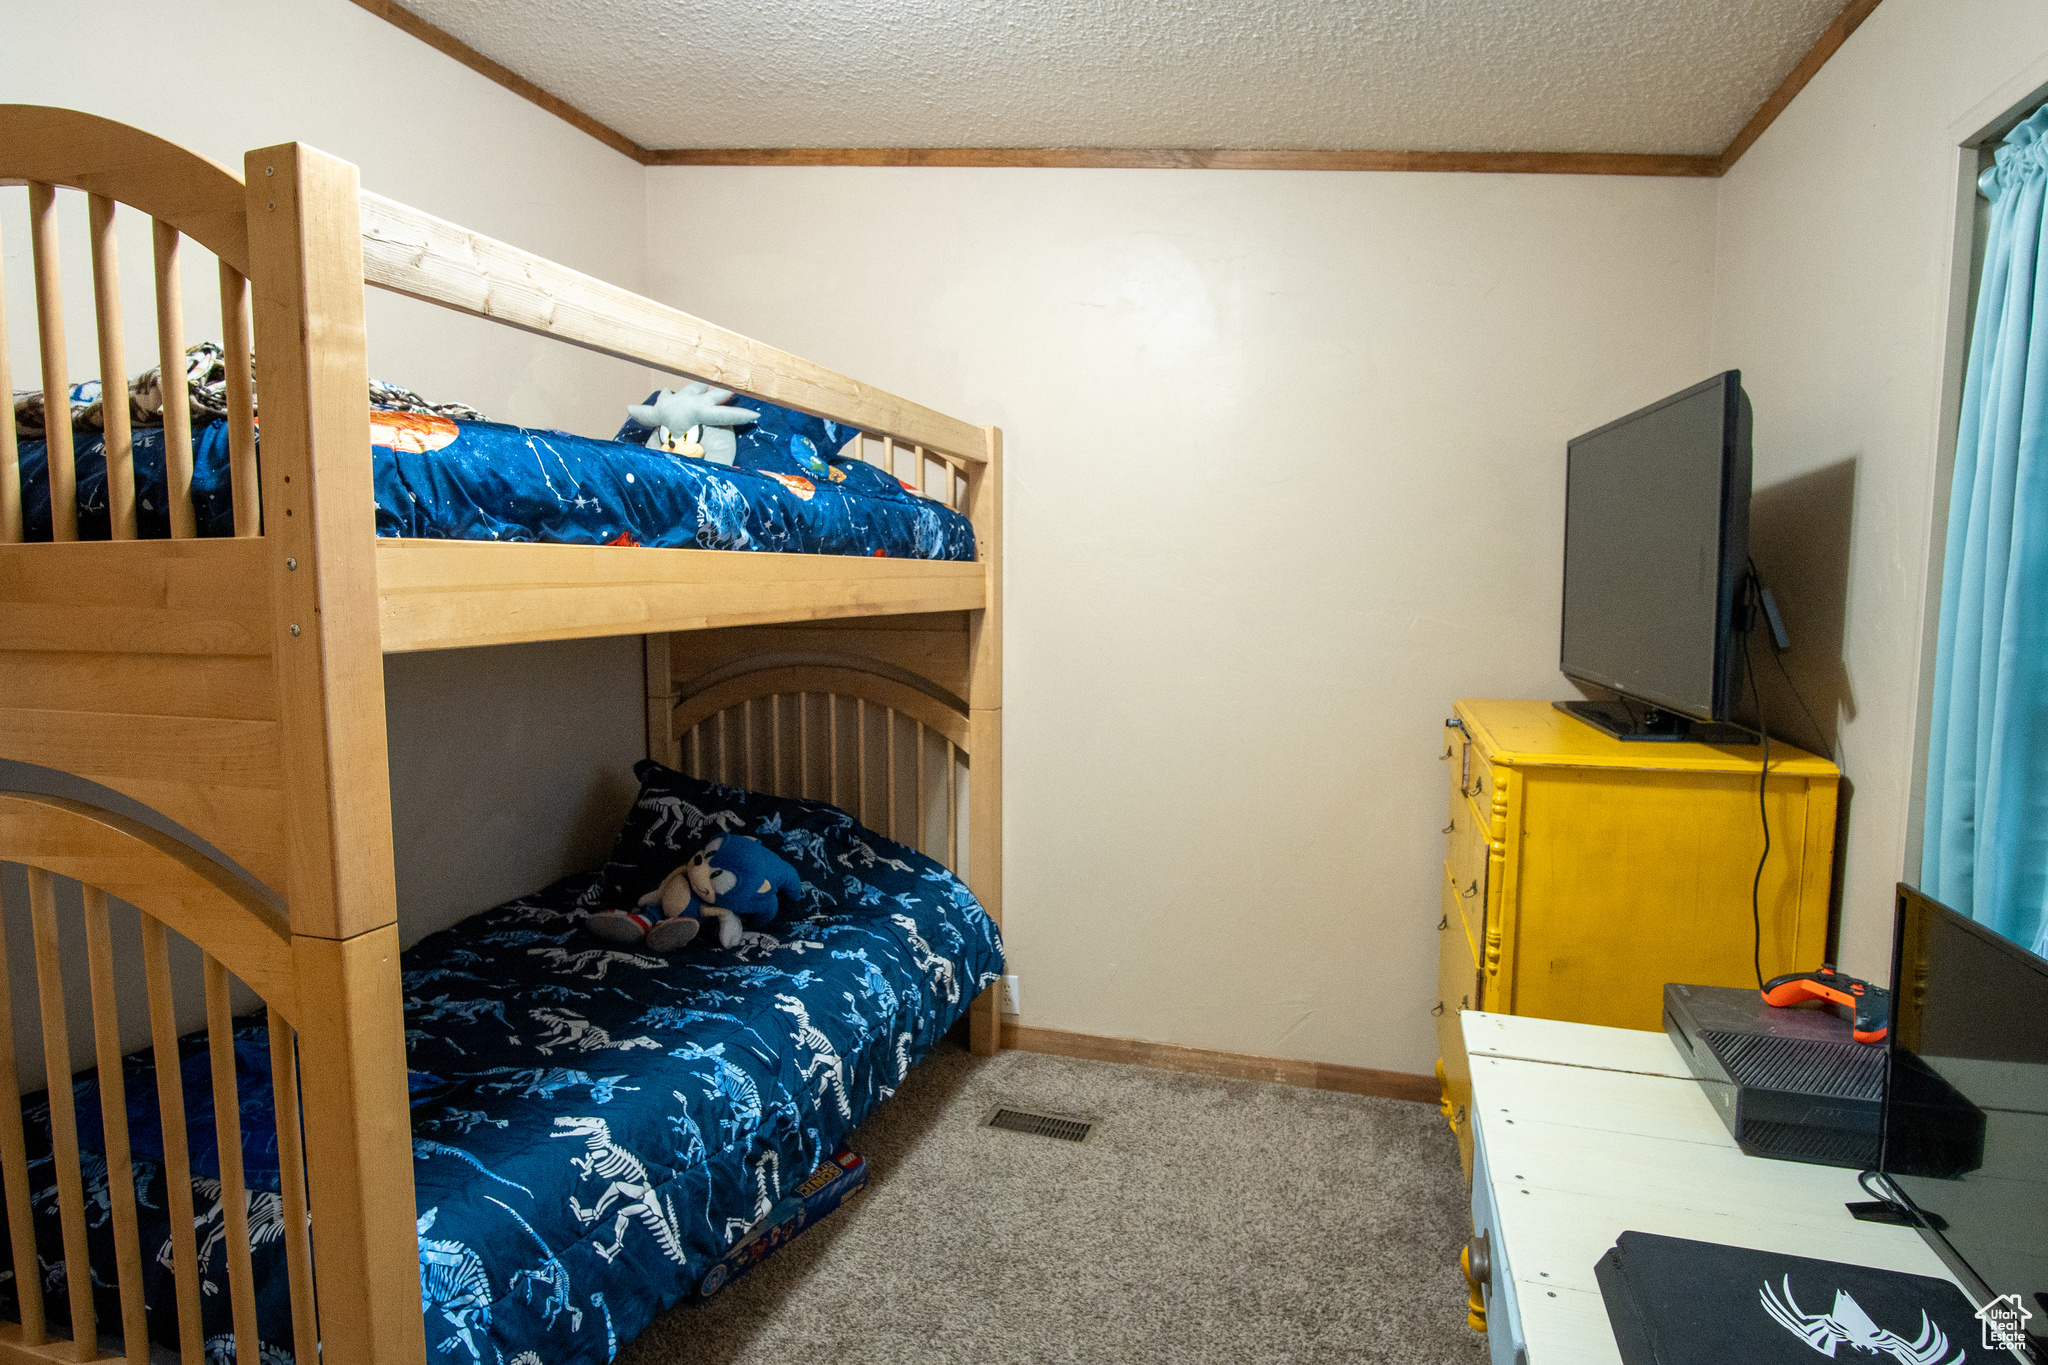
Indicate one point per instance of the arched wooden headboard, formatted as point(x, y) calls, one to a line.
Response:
point(844, 730)
point(896, 720)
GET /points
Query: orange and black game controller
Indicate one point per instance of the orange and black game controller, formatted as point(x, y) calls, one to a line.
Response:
point(1871, 1005)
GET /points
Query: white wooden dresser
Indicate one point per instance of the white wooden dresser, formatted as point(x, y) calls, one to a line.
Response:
point(1582, 1133)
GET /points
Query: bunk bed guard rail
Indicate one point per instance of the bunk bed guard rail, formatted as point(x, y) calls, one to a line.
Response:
point(404, 251)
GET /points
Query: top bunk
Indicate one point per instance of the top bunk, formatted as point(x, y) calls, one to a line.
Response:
point(297, 241)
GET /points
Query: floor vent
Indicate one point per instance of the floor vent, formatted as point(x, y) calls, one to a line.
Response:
point(1042, 1125)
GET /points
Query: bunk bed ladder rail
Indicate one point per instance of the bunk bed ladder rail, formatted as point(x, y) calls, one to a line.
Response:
point(185, 197)
point(63, 845)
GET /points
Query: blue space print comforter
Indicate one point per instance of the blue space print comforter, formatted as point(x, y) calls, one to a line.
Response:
point(439, 478)
point(592, 1128)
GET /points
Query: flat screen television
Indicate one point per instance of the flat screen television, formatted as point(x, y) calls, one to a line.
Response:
point(1656, 554)
point(1966, 1102)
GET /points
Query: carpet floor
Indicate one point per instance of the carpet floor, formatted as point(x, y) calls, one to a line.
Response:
point(1207, 1220)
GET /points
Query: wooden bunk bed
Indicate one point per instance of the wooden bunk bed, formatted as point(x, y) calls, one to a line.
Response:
point(235, 686)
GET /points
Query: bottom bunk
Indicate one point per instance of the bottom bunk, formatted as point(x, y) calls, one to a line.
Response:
point(593, 1127)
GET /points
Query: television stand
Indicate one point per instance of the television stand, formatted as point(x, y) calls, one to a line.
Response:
point(1624, 721)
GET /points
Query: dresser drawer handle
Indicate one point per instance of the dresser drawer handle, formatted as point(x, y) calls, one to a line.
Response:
point(1479, 1259)
point(1445, 922)
point(1438, 1011)
point(1451, 826)
point(1471, 890)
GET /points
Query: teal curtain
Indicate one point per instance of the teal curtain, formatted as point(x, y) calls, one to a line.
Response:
point(1986, 851)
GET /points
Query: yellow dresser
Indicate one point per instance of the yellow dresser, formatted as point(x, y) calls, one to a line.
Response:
point(1582, 873)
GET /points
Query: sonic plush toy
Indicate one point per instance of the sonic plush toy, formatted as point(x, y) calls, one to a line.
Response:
point(733, 879)
point(693, 420)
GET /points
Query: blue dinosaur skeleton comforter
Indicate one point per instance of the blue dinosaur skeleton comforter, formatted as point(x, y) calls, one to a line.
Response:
point(437, 478)
point(591, 1128)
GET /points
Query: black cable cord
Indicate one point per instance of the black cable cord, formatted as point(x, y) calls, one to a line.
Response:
point(1864, 1178)
point(1756, 581)
point(1881, 1187)
point(1778, 657)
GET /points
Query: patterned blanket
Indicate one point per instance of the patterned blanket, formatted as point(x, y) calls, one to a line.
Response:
point(592, 1128)
point(441, 479)
point(206, 386)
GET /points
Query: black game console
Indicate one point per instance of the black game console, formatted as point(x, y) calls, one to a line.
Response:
point(1789, 1083)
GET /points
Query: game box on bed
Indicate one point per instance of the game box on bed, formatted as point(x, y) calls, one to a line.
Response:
point(193, 724)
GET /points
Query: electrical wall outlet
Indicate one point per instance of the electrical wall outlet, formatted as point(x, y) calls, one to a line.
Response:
point(1010, 994)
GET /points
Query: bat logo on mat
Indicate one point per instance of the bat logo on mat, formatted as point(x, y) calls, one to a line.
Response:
point(1846, 1324)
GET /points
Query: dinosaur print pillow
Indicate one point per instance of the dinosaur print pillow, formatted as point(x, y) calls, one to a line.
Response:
point(844, 866)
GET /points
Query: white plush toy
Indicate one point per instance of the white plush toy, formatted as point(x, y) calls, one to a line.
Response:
point(693, 415)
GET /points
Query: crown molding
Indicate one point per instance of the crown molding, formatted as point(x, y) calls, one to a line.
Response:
point(449, 45)
point(1830, 41)
point(1154, 158)
point(1193, 158)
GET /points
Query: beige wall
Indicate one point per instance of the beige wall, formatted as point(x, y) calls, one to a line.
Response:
point(510, 766)
point(473, 756)
point(1285, 478)
point(1831, 269)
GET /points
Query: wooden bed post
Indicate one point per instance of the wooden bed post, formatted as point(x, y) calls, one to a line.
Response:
point(662, 745)
point(306, 271)
point(985, 729)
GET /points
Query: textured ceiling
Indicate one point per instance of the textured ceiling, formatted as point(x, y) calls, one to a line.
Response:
point(1673, 76)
